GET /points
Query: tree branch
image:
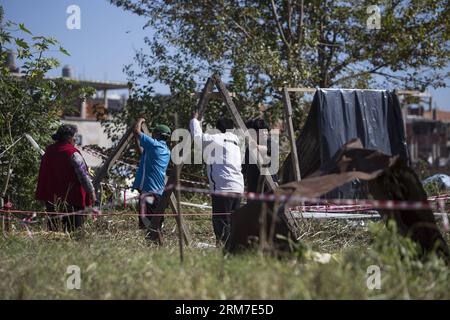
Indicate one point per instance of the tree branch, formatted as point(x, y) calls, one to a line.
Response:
point(280, 28)
point(300, 23)
point(373, 70)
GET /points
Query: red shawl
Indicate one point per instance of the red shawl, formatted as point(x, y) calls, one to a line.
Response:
point(57, 177)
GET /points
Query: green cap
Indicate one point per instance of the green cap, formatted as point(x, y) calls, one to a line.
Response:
point(163, 129)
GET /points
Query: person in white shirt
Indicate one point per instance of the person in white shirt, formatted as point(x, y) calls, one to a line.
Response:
point(222, 156)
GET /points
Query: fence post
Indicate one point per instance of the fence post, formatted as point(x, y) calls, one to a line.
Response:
point(6, 217)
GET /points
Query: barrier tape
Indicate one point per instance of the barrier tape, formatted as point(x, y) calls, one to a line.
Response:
point(324, 204)
point(355, 203)
point(92, 211)
point(366, 204)
point(100, 155)
point(320, 205)
point(343, 205)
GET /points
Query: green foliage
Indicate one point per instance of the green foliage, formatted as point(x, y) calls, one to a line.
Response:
point(117, 263)
point(29, 103)
point(261, 46)
point(433, 189)
point(266, 44)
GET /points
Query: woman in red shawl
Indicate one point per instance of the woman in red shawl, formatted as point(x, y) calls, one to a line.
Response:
point(64, 182)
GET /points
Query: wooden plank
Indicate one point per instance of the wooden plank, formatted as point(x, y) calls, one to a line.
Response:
point(290, 130)
point(213, 96)
point(184, 228)
point(285, 214)
point(299, 89)
point(240, 124)
point(413, 93)
point(205, 97)
point(178, 199)
point(118, 150)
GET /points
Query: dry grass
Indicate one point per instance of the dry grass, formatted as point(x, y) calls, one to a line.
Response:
point(116, 262)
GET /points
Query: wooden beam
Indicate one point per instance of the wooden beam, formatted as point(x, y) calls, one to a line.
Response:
point(205, 97)
point(291, 133)
point(170, 200)
point(178, 200)
point(118, 150)
point(413, 93)
point(213, 96)
point(168, 197)
point(299, 89)
point(184, 228)
point(272, 185)
point(241, 125)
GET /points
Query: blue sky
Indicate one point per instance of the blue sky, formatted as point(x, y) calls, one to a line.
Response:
point(105, 43)
point(107, 39)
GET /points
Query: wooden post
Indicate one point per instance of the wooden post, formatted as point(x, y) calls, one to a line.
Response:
point(167, 197)
point(3, 214)
point(118, 150)
point(204, 97)
point(291, 133)
point(184, 228)
point(170, 200)
point(105, 99)
point(6, 217)
point(178, 197)
point(286, 215)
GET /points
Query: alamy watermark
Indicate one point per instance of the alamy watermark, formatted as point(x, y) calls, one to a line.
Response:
point(373, 280)
point(73, 21)
point(73, 281)
point(262, 145)
point(373, 22)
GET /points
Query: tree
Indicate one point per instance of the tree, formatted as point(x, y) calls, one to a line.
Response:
point(29, 103)
point(270, 43)
point(260, 46)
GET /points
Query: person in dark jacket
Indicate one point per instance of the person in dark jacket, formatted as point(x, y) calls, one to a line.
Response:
point(252, 175)
point(64, 183)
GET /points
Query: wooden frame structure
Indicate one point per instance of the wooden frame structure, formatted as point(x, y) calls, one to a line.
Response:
point(206, 95)
point(168, 197)
point(109, 162)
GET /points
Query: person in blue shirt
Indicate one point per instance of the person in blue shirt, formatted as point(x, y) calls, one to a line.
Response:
point(150, 177)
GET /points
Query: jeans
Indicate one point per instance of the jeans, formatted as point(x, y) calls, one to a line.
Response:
point(222, 222)
point(151, 209)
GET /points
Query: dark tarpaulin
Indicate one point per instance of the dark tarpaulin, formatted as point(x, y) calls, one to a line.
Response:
point(387, 178)
point(340, 115)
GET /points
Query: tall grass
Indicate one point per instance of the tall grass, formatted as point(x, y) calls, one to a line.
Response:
point(117, 263)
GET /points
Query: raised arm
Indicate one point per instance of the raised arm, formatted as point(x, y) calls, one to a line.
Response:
point(137, 131)
point(197, 132)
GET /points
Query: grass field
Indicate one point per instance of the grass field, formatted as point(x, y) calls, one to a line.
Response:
point(117, 263)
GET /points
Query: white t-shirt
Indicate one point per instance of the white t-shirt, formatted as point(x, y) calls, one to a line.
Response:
point(222, 155)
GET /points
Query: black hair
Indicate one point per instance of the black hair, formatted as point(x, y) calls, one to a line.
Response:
point(160, 136)
point(224, 124)
point(65, 132)
point(257, 123)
